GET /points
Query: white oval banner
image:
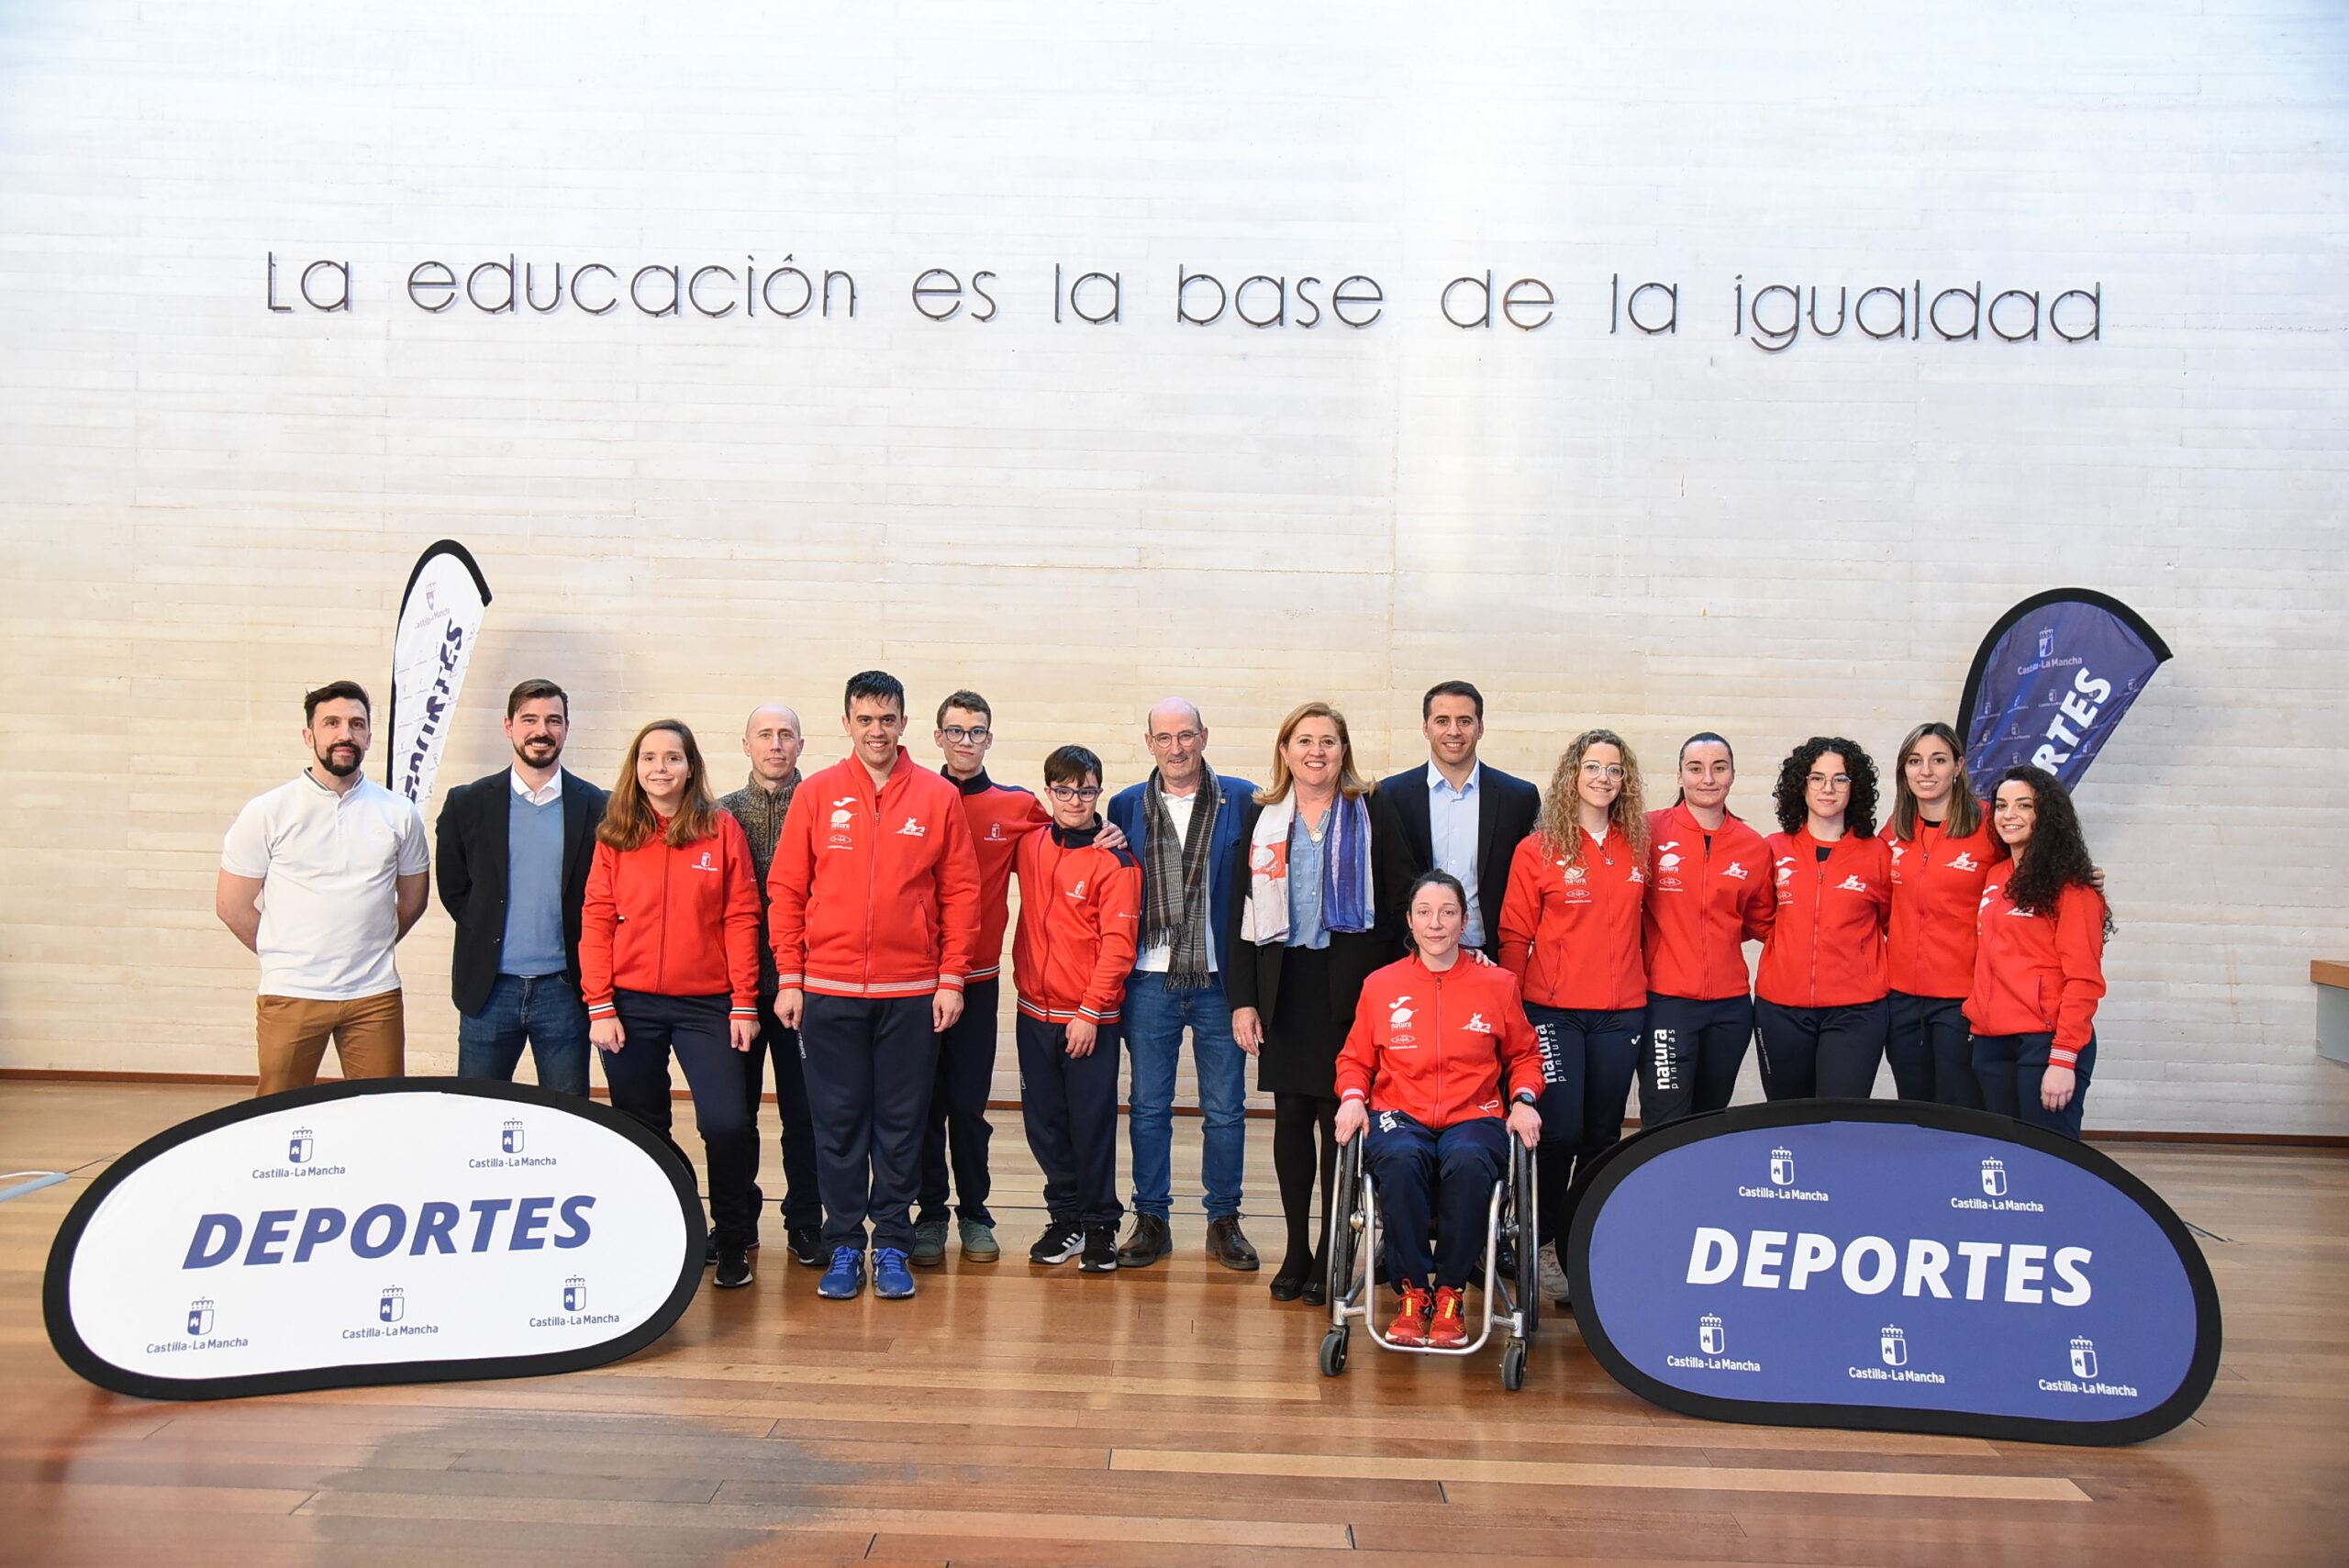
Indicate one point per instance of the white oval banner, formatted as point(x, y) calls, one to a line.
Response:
point(391, 1230)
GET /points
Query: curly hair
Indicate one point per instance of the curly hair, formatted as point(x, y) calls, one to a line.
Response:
point(1559, 826)
point(2056, 857)
point(1859, 816)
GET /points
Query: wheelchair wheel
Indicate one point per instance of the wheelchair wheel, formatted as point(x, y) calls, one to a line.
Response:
point(1512, 1364)
point(1334, 1353)
point(1525, 1236)
point(1338, 1254)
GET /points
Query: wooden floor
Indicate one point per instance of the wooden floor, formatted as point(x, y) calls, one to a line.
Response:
point(1170, 1416)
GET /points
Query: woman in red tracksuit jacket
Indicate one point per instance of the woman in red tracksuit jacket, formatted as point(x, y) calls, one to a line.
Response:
point(669, 962)
point(1943, 852)
point(2038, 960)
point(1818, 996)
point(1570, 933)
point(1710, 893)
point(1422, 1069)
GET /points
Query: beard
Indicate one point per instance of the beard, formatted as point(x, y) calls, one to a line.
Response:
point(341, 759)
point(539, 750)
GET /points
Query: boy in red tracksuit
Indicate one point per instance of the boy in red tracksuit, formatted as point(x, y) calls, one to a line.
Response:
point(1423, 1070)
point(873, 912)
point(1080, 917)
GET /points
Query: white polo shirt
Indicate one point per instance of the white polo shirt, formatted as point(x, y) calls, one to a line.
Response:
point(329, 912)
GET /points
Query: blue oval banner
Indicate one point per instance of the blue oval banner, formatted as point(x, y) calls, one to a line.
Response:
point(1896, 1266)
point(389, 1230)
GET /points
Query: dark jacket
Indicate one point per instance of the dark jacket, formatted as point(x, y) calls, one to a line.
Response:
point(1252, 971)
point(1224, 854)
point(471, 867)
point(1507, 809)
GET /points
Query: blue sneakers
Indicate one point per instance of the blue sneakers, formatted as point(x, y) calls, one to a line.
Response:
point(844, 1281)
point(891, 1280)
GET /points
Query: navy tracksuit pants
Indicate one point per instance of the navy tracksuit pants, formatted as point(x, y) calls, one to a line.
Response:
point(1070, 1106)
point(1931, 1046)
point(694, 1028)
point(1691, 1055)
point(1821, 1053)
point(956, 1131)
point(2009, 1067)
point(1588, 1055)
point(869, 1066)
point(801, 1208)
point(1427, 1176)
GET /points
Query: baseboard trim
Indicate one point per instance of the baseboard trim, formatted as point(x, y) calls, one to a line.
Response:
point(2096, 1135)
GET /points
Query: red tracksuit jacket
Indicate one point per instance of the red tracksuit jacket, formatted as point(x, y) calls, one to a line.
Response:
point(874, 894)
point(1000, 817)
point(1936, 889)
point(2033, 974)
point(1571, 934)
point(674, 922)
point(1709, 894)
point(1433, 1045)
point(1080, 917)
point(1826, 942)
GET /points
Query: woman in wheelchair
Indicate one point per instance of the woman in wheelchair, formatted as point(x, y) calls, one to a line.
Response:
point(1423, 1070)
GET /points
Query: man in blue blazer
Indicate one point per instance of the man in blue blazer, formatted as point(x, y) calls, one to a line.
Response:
point(1454, 812)
point(1182, 824)
point(514, 852)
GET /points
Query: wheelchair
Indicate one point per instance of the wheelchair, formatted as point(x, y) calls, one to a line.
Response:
point(1510, 1297)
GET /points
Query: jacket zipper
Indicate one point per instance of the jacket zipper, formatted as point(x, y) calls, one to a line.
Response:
point(1817, 915)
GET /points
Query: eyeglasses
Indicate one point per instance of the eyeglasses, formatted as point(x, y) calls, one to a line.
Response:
point(1081, 795)
point(1180, 737)
point(961, 737)
point(1837, 780)
point(1609, 770)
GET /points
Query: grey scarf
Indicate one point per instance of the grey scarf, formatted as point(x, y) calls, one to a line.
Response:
point(1176, 913)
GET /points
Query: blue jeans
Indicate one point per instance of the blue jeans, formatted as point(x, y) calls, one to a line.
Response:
point(545, 1010)
point(1155, 1018)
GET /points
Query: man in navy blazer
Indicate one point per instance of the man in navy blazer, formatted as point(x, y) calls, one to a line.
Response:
point(1454, 812)
point(1177, 984)
point(514, 849)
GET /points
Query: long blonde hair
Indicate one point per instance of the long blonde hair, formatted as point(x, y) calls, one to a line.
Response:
point(628, 818)
point(1351, 783)
point(1560, 828)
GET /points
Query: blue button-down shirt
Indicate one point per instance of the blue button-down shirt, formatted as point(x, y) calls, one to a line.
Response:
point(1453, 816)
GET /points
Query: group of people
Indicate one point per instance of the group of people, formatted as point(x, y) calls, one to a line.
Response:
point(1436, 962)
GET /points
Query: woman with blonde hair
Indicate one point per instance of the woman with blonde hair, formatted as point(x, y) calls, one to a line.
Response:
point(669, 962)
point(1570, 931)
point(1942, 853)
point(1299, 940)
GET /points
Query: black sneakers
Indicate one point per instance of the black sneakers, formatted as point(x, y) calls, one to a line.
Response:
point(807, 1246)
point(733, 1268)
point(1061, 1242)
point(1100, 1249)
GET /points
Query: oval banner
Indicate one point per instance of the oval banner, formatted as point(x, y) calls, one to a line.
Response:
point(1893, 1267)
point(388, 1230)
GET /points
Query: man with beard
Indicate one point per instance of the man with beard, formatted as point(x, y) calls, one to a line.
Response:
point(514, 852)
point(321, 877)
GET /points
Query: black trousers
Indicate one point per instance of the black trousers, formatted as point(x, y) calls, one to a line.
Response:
point(801, 1208)
point(1821, 1053)
point(1588, 1056)
point(1931, 1046)
point(870, 1064)
point(957, 1125)
point(2010, 1067)
point(1069, 1104)
point(693, 1029)
point(1427, 1176)
point(1693, 1053)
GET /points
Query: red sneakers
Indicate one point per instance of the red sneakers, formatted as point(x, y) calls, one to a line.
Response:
point(1410, 1325)
point(1448, 1329)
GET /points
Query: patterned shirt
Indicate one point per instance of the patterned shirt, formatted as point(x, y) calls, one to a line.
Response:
point(760, 811)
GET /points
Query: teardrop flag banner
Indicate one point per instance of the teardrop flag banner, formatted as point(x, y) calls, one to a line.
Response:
point(2051, 682)
point(440, 616)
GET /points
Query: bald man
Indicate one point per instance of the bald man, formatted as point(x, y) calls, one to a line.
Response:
point(773, 740)
point(1182, 824)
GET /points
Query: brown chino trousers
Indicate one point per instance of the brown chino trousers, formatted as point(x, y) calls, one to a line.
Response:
point(370, 1035)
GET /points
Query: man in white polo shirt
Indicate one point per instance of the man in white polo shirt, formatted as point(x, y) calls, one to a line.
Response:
point(320, 877)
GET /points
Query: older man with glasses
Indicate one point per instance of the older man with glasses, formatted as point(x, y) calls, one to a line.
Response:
point(1184, 824)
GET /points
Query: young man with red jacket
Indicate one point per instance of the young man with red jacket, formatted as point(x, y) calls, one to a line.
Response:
point(873, 915)
point(1422, 1070)
point(1080, 919)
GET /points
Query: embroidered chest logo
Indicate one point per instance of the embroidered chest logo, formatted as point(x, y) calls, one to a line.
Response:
point(1476, 1024)
point(995, 832)
point(1399, 1014)
point(1572, 874)
point(1964, 863)
point(1987, 894)
point(1639, 875)
point(1785, 869)
point(1665, 859)
point(704, 864)
point(913, 829)
point(1078, 891)
point(1736, 869)
point(1851, 885)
